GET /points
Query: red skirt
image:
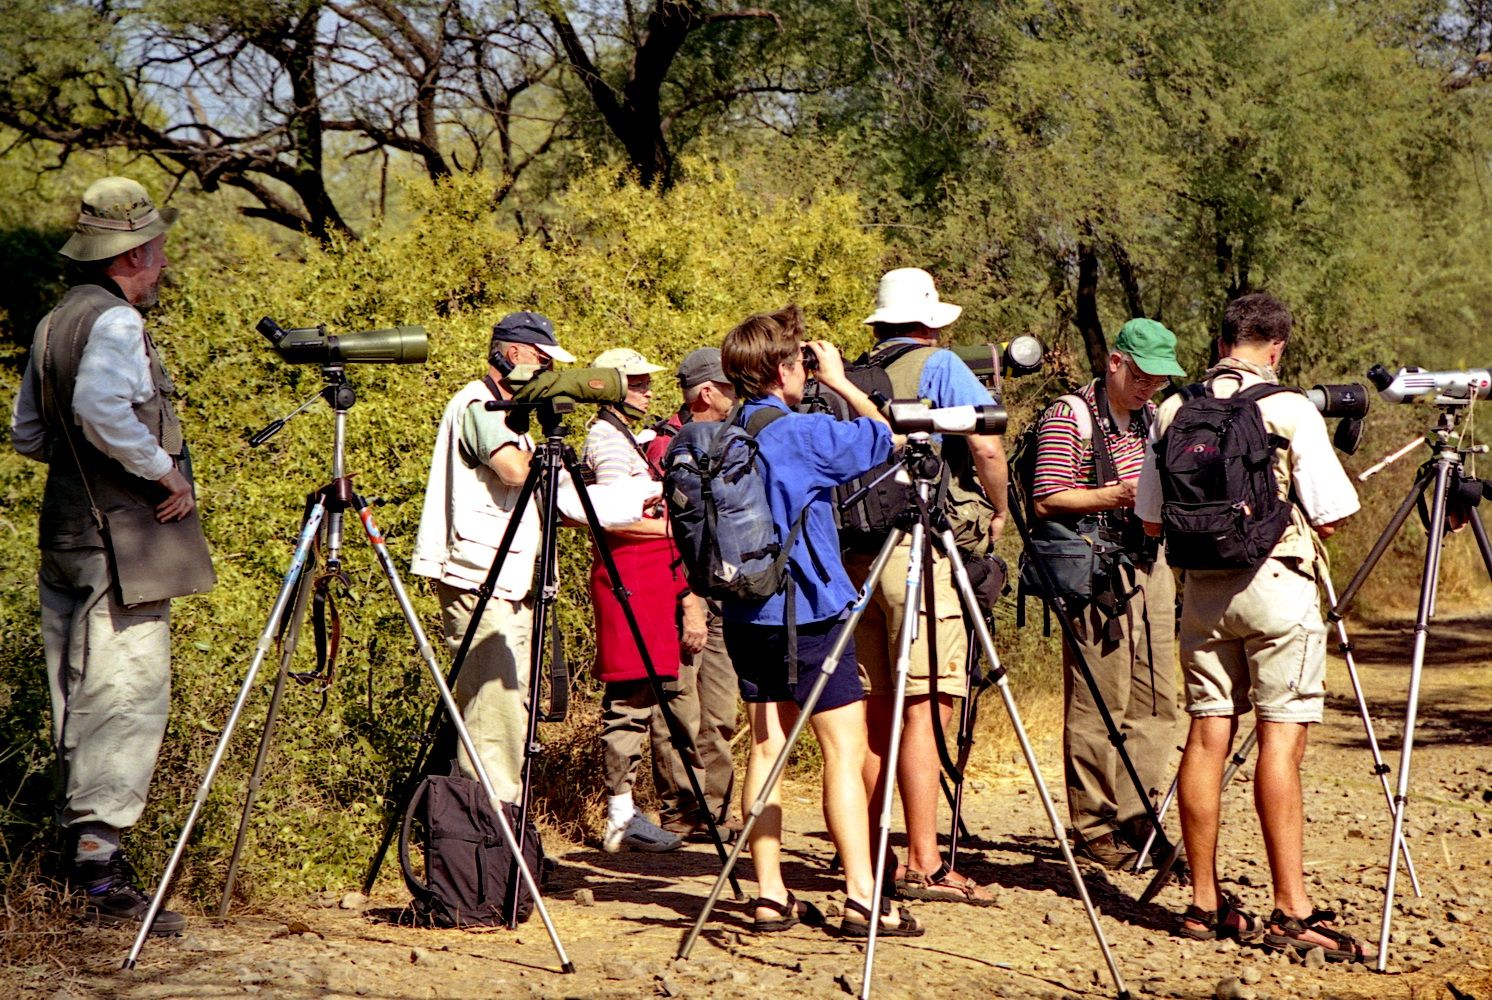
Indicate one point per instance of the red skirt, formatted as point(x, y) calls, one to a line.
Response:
point(646, 568)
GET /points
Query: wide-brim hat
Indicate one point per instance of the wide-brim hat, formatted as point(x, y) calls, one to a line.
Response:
point(528, 328)
point(116, 216)
point(908, 295)
point(625, 360)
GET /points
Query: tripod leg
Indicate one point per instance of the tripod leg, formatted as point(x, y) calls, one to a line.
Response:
point(1479, 531)
point(1144, 856)
point(971, 605)
point(437, 714)
point(287, 654)
point(1379, 767)
point(831, 663)
point(412, 619)
point(678, 736)
point(1163, 870)
point(965, 741)
point(1433, 542)
point(261, 650)
point(1344, 603)
point(910, 623)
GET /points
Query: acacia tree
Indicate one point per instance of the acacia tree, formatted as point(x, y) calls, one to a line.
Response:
point(247, 93)
point(657, 75)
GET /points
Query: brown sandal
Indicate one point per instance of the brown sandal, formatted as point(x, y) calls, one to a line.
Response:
point(1293, 930)
point(939, 887)
point(1229, 920)
point(906, 925)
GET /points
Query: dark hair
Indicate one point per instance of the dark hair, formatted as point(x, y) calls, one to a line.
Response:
point(1256, 318)
point(885, 330)
point(752, 351)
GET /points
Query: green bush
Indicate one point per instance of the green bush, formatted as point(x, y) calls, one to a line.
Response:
point(614, 264)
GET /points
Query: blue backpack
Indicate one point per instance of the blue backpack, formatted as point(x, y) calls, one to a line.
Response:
point(722, 522)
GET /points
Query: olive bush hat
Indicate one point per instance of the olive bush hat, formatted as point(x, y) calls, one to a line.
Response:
point(117, 215)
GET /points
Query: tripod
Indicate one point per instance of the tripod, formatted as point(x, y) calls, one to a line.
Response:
point(550, 459)
point(923, 465)
point(1380, 769)
point(323, 518)
point(1441, 476)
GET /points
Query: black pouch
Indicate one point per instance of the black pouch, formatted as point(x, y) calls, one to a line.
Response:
point(468, 866)
point(1071, 555)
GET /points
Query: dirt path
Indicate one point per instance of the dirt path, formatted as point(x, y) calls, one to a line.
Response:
point(1035, 944)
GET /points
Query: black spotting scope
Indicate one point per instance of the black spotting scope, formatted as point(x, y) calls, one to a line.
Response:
point(312, 345)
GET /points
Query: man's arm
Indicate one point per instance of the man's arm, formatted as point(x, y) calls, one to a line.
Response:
point(990, 465)
point(510, 462)
point(28, 430)
point(113, 375)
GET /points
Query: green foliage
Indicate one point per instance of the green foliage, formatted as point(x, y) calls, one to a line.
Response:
point(618, 265)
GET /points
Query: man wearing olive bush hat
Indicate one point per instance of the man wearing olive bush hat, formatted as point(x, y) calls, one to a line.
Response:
point(95, 405)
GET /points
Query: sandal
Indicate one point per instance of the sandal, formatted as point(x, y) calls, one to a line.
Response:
point(790, 914)
point(938, 886)
point(1293, 931)
point(906, 924)
point(1229, 920)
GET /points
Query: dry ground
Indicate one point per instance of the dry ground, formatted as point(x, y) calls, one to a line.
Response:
point(1035, 944)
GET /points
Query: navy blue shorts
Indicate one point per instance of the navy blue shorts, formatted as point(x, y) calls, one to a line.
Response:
point(759, 654)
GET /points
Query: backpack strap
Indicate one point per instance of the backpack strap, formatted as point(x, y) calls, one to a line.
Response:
point(1264, 390)
point(610, 416)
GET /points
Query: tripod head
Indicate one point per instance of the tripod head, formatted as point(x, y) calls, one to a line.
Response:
point(337, 392)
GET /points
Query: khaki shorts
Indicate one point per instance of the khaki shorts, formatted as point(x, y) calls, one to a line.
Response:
point(1254, 638)
point(878, 634)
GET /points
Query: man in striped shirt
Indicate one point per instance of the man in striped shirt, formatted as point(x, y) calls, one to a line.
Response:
point(1127, 644)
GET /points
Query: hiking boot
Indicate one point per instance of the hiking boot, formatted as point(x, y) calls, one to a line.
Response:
point(638, 835)
point(1106, 851)
point(114, 899)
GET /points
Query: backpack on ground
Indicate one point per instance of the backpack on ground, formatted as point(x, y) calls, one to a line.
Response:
point(1221, 507)
point(722, 521)
point(469, 870)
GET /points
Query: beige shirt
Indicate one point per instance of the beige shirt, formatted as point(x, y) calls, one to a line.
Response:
point(1323, 492)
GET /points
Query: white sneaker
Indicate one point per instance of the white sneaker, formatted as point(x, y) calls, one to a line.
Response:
point(639, 835)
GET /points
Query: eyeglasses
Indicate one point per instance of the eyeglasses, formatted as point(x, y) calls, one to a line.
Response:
point(1144, 381)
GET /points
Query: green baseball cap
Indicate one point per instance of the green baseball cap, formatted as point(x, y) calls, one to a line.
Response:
point(1150, 346)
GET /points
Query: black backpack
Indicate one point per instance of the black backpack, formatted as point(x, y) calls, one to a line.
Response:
point(865, 524)
point(1221, 507)
point(469, 870)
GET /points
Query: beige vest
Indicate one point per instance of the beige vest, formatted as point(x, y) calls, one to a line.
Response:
point(467, 509)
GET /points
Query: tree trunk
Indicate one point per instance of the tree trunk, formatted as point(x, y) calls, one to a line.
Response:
point(1085, 315)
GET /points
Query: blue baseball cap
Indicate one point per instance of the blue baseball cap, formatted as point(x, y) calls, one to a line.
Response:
point(528, 328)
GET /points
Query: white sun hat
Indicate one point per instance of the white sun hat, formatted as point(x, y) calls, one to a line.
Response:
point(908, 295)
point(625, 360)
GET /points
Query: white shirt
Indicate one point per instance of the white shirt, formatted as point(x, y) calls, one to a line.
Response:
point(113, 376)
point(1323, 492)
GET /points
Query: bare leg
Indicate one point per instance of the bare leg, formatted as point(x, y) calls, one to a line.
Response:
point(841, 735)
point(878, 731)
point(1200, 801)
point(769, 724)
point(917, 772)
point(1281, 817)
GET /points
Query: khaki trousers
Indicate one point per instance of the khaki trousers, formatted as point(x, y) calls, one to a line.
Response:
point(1138, 681)
point(629, 719)
point(706, 706)
point(492, 688)
point(109, 670)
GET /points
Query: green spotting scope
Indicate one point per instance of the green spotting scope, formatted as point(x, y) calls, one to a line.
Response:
point(555, 393)
point(402, 345)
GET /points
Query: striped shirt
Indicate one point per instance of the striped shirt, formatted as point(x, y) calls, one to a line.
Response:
point(612, 455)
point(1064, 459)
